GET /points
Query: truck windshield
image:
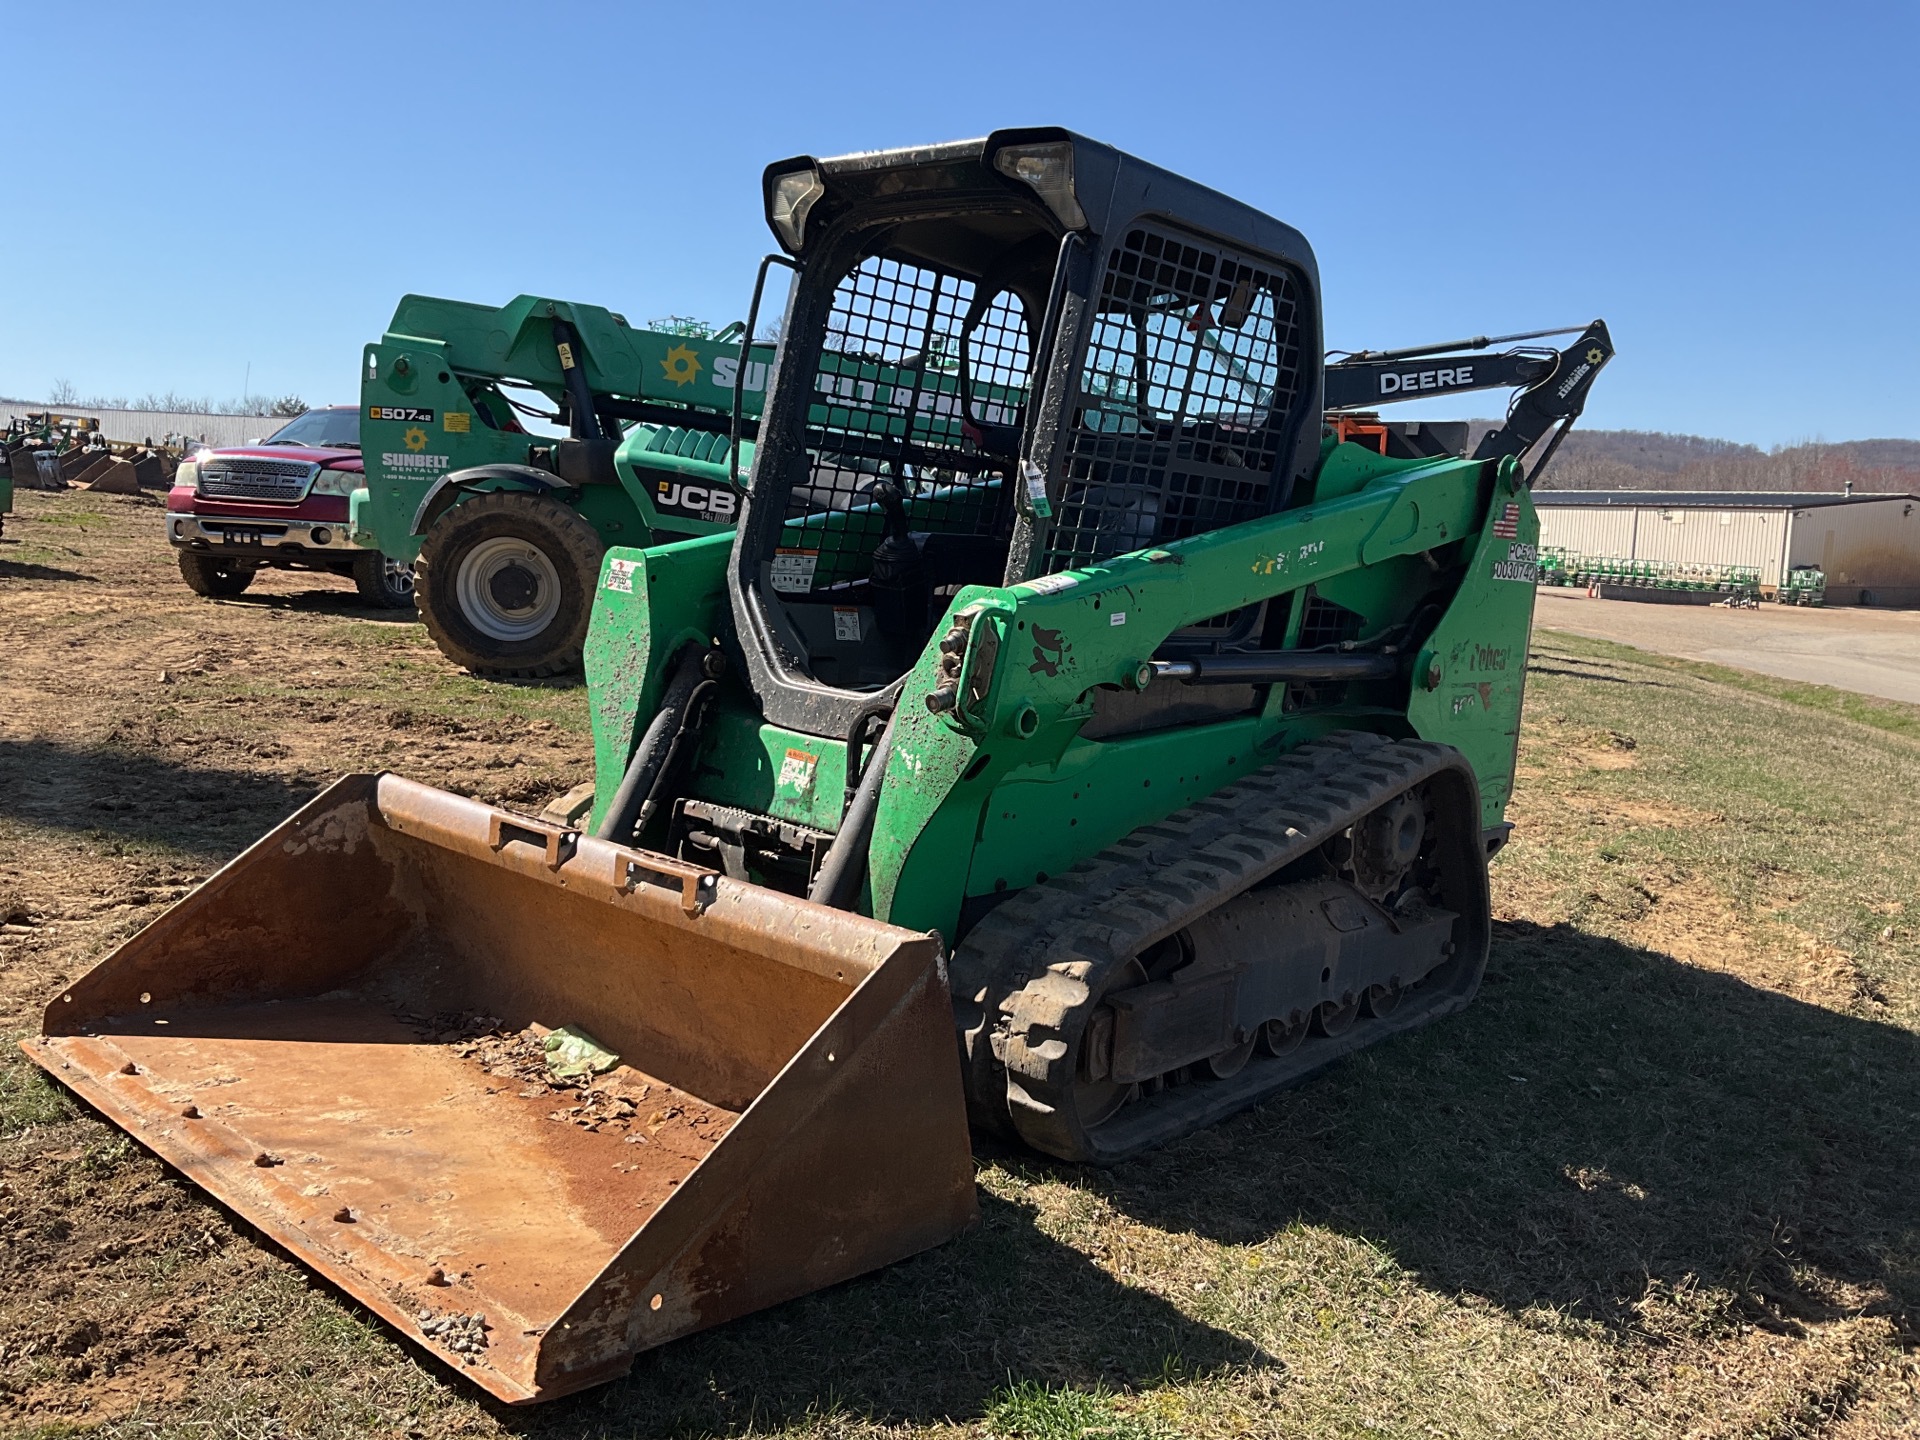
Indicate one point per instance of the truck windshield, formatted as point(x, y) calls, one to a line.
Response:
point(337, 429)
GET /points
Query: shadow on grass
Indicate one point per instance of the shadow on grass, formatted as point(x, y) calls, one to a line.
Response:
point(341, 603)
point(142, 797)
point(1587, 675)
point(23, 570)
point(928, 1340)
point(1601, 1122)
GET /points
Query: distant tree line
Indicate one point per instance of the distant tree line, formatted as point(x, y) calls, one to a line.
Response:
point(65, 393)
point(1655, 460)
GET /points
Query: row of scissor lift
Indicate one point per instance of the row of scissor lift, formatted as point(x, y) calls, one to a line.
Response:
point(1736, 584)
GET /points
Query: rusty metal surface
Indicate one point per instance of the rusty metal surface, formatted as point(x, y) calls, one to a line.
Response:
point(316, 1038)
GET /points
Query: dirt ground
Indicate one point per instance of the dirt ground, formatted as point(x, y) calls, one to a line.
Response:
point(1875, 652)
point(1657, 1181)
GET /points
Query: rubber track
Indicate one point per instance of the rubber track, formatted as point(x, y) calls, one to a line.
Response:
point(1022, 978)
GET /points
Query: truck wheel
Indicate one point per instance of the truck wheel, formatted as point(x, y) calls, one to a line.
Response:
point(381, 581)
point(213, 575)
point(505, 585)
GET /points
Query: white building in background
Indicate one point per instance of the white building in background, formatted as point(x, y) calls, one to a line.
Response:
point(135, 427)
point(1868, 546)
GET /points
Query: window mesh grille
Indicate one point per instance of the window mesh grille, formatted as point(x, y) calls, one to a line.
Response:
point(1190, 376)
point(1324, 624)
point(889, 401)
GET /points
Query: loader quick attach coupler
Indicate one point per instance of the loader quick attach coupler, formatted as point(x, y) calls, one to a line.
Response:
point(538, 1100)
point(1334, 898)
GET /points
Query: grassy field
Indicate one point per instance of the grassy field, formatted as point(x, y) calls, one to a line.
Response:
point(1662, 1179)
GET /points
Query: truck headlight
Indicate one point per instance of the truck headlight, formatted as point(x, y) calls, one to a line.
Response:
point(337, 482)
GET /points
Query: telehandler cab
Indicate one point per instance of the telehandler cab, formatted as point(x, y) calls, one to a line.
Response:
point(1092, 744)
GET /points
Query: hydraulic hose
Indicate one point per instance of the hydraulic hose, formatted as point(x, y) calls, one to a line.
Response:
point(846, 864)
point(650, 755)
point(689, 722)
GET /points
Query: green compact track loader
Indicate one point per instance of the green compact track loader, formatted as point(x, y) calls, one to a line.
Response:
point(1098, 719)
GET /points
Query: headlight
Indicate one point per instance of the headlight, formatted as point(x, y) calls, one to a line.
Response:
point(337, 482)
point(187, 472)
point(794, 195)
point(1048, 170)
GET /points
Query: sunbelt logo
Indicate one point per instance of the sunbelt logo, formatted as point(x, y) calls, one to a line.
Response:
point(726, 369)
point(682, 365)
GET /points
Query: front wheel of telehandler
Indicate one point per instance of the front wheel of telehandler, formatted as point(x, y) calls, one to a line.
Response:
point(505, 585)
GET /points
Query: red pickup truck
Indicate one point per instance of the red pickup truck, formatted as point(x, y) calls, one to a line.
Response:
point(280, 504)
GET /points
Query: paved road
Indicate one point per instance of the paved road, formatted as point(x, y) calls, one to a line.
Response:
point(1876, 652)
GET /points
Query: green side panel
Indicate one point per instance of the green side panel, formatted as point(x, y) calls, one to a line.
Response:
point(771, 771)
point(679, 479)
point(416, 425)
point(611, 512)
point(1100, 791)
point(923, 835)
point(649, 603)
point(1346, 468)
point(6, 489)
point(1470, 680)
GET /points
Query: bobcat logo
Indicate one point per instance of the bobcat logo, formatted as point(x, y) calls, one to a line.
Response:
point(1050, 652)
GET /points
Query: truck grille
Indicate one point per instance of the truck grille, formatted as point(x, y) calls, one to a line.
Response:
point(249, 479)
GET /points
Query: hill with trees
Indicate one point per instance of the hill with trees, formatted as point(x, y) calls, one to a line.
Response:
point(1655, 460)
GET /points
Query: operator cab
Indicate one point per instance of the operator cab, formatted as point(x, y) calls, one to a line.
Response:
point(922, 432)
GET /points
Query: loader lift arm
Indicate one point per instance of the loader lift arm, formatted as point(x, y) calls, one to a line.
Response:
point(1555, 383)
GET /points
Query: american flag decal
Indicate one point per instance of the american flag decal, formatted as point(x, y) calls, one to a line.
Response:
point(1507, 527)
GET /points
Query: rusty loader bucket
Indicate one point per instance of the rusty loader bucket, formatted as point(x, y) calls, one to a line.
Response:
point(539, 1101)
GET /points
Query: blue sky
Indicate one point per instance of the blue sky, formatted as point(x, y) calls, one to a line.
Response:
point(1732, 187)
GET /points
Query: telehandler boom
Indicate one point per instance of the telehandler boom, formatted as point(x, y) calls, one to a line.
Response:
point(1077, 733)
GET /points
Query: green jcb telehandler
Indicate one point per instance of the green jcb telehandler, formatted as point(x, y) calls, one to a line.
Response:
point(506, 447)
point(1091, 745)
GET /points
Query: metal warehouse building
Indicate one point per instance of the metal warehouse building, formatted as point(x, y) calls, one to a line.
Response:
point(1867, 546)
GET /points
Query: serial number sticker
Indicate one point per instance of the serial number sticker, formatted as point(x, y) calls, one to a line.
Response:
point(1048, 584)
point(1118, 617)
point(846, 624)
point(797, 770)
point(407, 413)
point(458, 422)
point(620, 575)
point(1522, 564)
point(792, 571)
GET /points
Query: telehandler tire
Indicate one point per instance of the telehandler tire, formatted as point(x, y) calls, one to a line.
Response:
point(214, 576)
point(383, 582)
point(505, 585)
